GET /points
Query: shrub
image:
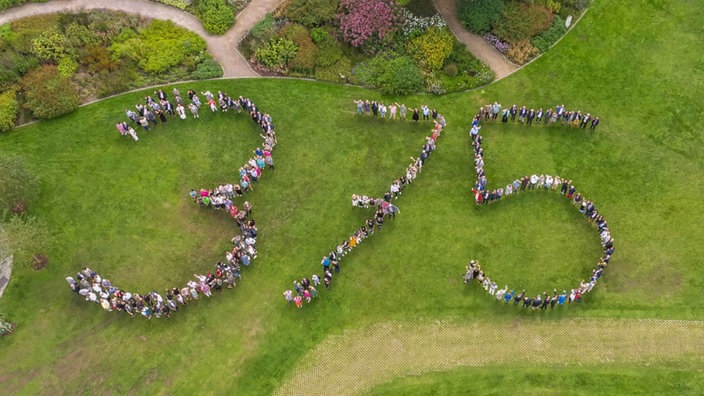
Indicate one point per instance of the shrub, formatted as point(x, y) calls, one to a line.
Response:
point(451, 69)
point(304, 61)
point(206, 69)
point(310, 13)
point(521, 21)
point(479, 15)
point(465, 61)
point(544, 40)
point(159, 47)
point(47, 93)
point(112, 82)
point(217, 16)
point(329, 51)
point(67, 66)
point(414, 25)
point(96, 58)
point(8, 110)
point(553, 5)
point(361, 21)
point(264, 29)
point(432, 48)
point(392, 75)
point(319, 34)
point(79, 35)
point(49, 46)
point(522, 51)
point(276, 53)
point(13, 65)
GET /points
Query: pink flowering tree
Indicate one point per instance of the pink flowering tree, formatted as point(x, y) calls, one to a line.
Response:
point(362, 20)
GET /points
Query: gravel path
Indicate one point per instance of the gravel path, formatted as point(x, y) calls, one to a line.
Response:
point(223, 48)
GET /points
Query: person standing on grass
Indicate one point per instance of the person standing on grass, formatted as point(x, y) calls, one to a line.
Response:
point(595, 123)
point(181, 111)
point(144, 123)
point(299, 301)
point(416, 115)
point(194, 110)
point(495, 109)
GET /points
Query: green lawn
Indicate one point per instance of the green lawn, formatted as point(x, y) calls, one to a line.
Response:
point(122, 208)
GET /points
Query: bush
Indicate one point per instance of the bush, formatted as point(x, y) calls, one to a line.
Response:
point(414, 26)
point(310, 13)
point(208, 68)
point(159, 47)
point(49, 47)
point(451, 70)
point(96, 58)
point(4, 4)
point(319, 34)
point(391, 75)
point(544, 40)
point(8, 110)
point(13, 65)
point(47, 93)
point(329, 51)
point(276, 53)
point(304, 61)
point(521, 21)
point(112, 82)
point(479, 15)
point(217, 16)
point(465, 61)
point(67, 66)
point(432, 48)
point(522, 51)
point(361, 21)
point(264, 29)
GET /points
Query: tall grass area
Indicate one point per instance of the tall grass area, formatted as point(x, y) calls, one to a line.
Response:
point(122, 208)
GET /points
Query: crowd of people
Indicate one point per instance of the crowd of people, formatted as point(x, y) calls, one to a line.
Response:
point(483, 196)
point(98, 289)
point(397, 111)
point(384, 208)
point(560, 114)
point(159, 109)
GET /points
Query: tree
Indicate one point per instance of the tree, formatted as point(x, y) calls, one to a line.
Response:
point(8, 111)
point(363, 20)
point(47, 93)
point(17, 184)
point(25, 237)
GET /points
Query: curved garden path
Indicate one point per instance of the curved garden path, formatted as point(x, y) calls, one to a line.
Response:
point(501, 66)
point(356, 361)
point(223, 48)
